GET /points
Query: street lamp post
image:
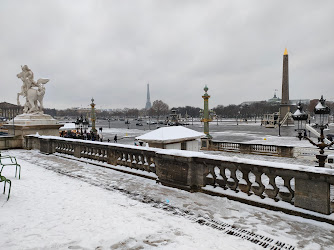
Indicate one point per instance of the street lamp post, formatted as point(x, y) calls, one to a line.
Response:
point(85, 124)
point(207, 114)
point(93, 117)
point(300, 118)
point(81, 125)
point(238, 117)
point(321, 112)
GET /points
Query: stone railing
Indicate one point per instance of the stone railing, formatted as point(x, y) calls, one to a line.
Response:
point(249, 181)
point(260, 149)
point(9, 142)
point(114, 154)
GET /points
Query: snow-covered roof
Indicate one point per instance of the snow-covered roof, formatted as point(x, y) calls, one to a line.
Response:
point(319, 106)
point(170, 134)
point(67, 126)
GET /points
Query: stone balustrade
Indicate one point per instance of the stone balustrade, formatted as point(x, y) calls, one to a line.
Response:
point(245, 148)
point(294, 185)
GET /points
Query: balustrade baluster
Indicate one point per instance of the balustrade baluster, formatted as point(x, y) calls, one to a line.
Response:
point(288, 194)
point(211, 176)
point(140, 162)
point(273, 191)
point(134, 162)
point(151, 164)
point(232, 181)
point(146, 165)
point(258, 189)
point(223, 180)
point(245, 184)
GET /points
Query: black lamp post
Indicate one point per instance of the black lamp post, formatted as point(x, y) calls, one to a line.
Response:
point(300, 118)
point(321, 112)
point(85, 124)
point(77, 125)
point(81, 125)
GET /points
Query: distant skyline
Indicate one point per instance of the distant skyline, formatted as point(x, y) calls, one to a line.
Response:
point(110, 50)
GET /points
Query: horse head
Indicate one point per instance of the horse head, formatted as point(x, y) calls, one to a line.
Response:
point(20, 75)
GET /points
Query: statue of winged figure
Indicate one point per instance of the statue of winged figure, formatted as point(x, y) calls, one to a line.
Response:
point(32, 91)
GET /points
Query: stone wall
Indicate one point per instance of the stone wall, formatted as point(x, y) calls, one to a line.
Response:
point(7, 142)
point(298, 186)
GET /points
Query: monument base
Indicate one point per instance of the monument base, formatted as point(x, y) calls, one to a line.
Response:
point(33, 119)
point(30, 124)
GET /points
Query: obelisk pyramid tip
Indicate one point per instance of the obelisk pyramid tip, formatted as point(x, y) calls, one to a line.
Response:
point(285, 51)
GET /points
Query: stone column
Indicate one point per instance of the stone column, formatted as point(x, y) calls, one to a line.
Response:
point(206, 113)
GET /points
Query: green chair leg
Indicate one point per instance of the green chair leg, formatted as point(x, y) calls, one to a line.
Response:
point(10, 185)
point(18, 165)
point(5, 180)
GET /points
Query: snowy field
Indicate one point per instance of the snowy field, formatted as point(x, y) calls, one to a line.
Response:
point(64, 204)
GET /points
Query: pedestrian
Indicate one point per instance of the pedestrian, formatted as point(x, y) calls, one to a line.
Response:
point(108, 140)
point(115, 139)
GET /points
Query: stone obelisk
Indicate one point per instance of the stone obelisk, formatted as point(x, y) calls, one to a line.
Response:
point(285, 102)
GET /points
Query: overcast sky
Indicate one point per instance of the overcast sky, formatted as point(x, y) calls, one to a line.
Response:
point(110, 50)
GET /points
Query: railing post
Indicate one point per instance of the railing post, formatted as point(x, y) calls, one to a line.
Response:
point(313, 195)
point(47, 146)
point(245, 148)
point(179, 171)
point(285, 151)
point(77, 150)
point(111, 156)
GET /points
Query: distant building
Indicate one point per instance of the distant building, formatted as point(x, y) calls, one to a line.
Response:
point(275, 99)
point(148, 99)
point(8, 110)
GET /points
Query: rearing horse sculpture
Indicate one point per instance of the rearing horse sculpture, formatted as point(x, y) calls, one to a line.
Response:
point(28, 90)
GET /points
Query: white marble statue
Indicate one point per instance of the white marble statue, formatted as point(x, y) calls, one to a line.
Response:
point(32, 91)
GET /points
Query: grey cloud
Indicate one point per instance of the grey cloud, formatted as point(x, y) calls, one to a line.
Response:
point(111, 49)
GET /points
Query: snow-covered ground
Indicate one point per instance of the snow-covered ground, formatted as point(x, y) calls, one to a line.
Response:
point(63, 204)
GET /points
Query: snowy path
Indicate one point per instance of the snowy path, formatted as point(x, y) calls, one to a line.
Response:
point(127, 211)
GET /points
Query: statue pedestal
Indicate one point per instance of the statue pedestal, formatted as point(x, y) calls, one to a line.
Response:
point(28, 124)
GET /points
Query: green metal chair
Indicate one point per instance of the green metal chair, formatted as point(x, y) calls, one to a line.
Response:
point(5, 180)
point(13, 162)
point(6, 157)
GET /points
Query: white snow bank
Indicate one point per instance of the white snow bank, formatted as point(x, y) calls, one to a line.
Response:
point(47, 210)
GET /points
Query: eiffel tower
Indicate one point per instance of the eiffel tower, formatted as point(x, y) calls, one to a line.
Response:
point(148, 101)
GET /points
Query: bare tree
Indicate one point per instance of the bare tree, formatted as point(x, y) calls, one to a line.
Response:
point(159, 108)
